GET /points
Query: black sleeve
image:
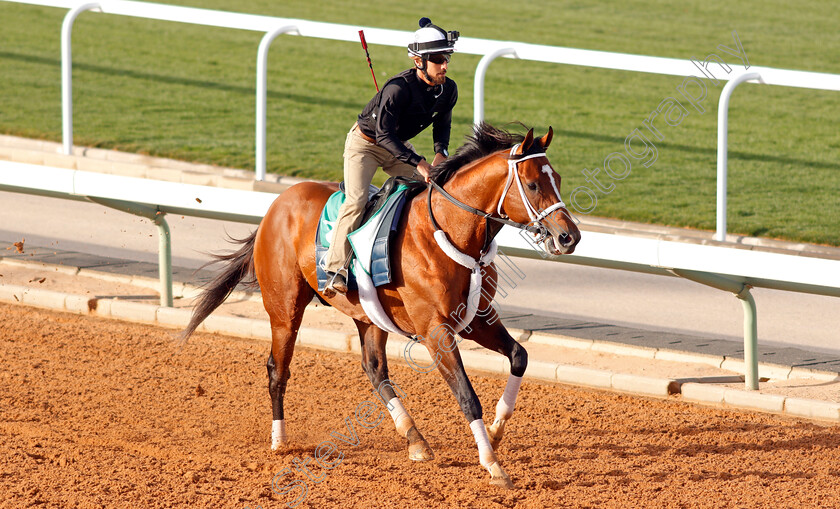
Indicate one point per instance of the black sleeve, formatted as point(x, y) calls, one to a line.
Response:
point(395, 99)
point(443, 123)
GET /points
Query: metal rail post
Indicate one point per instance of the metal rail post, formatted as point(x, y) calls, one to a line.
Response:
point(262, 71)
point(164, 259)
point(723, 128)
point(742, 291)
point(480, 73)
point(750, 338)
point(67, 75)
point(164, 240)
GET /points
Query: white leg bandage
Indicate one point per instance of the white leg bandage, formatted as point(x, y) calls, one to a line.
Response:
point(278, 433)
point(504, 408)
point(485, 453)
point(402, 421)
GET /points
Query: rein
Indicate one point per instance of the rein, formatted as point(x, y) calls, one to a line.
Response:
point(536, 230)
point(513, 164)
point(488, 251)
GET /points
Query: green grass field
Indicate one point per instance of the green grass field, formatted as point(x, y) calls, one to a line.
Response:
point(187, 92)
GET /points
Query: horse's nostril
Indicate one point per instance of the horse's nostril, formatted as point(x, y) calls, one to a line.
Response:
point(565, 239)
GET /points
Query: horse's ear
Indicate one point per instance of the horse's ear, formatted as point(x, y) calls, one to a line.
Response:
point(545, 141)
point(526, 143)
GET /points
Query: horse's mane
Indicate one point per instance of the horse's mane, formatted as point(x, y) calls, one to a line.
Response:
point(484, 140)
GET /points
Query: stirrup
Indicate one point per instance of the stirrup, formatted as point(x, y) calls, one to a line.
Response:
point(337, 283)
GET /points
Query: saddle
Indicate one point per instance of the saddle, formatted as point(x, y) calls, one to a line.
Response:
point(371, 242)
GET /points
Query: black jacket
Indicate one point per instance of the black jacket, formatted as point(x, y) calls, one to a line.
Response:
point(405, 106)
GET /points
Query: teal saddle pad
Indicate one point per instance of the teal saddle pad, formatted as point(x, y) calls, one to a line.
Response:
point(371, 242)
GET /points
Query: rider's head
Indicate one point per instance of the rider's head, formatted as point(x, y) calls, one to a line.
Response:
point(431, 50)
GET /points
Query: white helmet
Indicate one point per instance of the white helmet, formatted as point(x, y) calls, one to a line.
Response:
point(431, 39)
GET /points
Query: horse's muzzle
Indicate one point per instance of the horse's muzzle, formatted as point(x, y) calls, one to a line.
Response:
point(562, 243)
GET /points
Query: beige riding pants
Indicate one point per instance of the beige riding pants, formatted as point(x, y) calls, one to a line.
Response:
point(361, 160)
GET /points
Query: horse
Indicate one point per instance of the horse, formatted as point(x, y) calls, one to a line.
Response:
point(495, 178)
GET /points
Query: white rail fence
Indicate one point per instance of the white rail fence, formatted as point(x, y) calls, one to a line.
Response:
point(728, 269)
point(489, 49)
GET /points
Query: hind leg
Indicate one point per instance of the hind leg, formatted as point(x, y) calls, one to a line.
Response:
point(277, 365)
point(285, 315)
point(375, 364)
point(284, 256)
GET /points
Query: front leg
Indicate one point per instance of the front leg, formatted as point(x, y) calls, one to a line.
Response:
point(504, 410)
point(448, 360)
point(494, 336)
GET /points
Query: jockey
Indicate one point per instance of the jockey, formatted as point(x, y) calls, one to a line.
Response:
point(407, 104)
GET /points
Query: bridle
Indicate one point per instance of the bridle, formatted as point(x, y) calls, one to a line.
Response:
point(535, 226)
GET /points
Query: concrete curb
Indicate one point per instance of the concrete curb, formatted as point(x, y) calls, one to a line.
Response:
point(586, 377)
point(636, 384)
point(767, 370)
point(703, 393)
point(809, 409)
point(770, 403)
point(396, 350)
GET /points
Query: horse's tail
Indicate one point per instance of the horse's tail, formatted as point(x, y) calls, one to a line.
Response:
point(240, 268)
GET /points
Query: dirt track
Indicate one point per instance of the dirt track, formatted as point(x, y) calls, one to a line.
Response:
point(99, 413)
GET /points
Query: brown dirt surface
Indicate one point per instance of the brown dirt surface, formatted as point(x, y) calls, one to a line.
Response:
point(97, 413)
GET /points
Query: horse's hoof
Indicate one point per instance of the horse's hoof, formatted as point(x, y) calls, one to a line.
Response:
point(505, 483)
point(276, 445)
point(494, 442)
point(498, 477)
point(420, 452)
point(495, 432)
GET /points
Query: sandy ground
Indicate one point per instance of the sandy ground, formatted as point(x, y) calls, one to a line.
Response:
point(97, 284)
point(99, 413)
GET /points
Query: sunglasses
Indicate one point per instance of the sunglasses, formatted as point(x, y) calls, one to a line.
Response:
point(439, 58)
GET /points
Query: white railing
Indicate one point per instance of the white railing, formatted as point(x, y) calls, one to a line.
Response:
point(729, 269)
point(151, 199)
point(489, 49)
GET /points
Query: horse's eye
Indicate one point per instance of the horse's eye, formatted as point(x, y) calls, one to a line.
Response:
point(532, 186)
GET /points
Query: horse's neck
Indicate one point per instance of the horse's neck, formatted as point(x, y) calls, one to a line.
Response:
point(478, 187)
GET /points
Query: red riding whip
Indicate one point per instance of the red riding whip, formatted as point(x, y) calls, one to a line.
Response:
point(370, 64)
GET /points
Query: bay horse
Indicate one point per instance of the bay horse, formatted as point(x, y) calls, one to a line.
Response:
point(496, 178)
